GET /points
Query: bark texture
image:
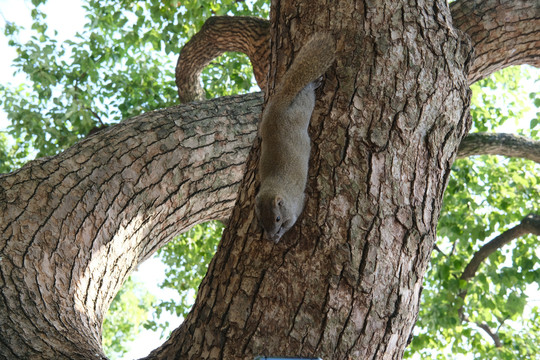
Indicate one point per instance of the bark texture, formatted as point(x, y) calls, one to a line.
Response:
point(345, 281)
point(503, 33)
point(248, 35)
point(74, 226)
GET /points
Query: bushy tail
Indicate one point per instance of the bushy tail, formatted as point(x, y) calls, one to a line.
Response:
point(312, 61)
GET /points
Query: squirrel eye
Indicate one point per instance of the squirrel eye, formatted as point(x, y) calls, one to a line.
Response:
point(278, 218)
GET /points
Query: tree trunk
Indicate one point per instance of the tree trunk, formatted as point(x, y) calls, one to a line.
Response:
point(344, 282)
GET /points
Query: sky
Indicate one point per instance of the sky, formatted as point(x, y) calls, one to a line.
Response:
point(68, 18)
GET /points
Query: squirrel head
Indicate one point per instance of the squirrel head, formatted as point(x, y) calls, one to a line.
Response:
point(275, 215)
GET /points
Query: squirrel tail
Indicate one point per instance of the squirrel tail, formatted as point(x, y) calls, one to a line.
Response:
point(312, 61)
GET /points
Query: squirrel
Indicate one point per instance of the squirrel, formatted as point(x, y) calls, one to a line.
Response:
point(285, 146)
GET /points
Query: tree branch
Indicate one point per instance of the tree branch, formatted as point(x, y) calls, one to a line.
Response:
point(503, 33)
point(529, 225)
point(493, 335)
point(248, 35)
point(75, 225)
point(499, 144)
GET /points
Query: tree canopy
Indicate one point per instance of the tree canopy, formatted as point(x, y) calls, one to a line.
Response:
point(122, 64)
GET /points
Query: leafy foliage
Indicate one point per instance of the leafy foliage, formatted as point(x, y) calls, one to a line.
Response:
point(127, 314)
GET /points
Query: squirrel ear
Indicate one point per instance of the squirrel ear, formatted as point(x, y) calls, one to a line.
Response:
point(278, 201)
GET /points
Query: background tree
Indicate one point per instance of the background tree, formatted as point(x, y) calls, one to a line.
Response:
point(525, 184)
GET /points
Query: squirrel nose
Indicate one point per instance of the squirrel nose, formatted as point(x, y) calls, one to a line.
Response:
point(274, 238)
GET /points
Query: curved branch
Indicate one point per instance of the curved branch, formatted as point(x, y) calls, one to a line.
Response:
point(219, 34)
point(75, 225)
point(499, 144)
point(503, 33)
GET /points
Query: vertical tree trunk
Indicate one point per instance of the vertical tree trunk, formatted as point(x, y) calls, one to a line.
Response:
point(345, 281)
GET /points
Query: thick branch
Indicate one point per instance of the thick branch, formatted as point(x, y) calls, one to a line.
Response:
point(219, 34)
point(74, 226)
point(500, 144)
point(503, 33)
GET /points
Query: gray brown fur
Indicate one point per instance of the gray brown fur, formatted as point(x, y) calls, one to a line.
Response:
point(285, 147)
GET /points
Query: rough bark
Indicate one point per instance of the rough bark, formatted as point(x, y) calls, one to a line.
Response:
point(503, 33)
point(74, 226)
point(219, 34)
point(345, 281)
